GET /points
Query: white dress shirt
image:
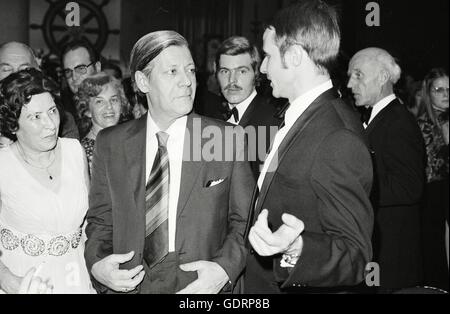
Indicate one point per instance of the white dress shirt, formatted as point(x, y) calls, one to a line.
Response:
point(295, 110)
point(242, 107)
point(379, 106)
point(175, 145)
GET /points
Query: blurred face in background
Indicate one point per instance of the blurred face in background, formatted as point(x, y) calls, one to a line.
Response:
point(77, 66)
point(13, 58)
point(439, 93)
point(105, 108)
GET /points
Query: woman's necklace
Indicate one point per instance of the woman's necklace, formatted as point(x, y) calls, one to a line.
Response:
point(24, 157)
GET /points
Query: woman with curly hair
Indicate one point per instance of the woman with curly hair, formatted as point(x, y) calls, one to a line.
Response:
point(434, 126)
point(101, 103)
point(43, 192)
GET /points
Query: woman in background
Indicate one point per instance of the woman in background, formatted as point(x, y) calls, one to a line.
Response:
point(434, 126)
point(43, 192)
point(101, 103)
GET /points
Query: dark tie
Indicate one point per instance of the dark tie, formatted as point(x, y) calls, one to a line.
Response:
point(157, 206)
point(230, 112)
point(281, 113)
point(365, 115)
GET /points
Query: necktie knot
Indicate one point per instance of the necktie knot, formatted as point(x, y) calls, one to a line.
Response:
point(281, 113)
point(227, 112)
point(162, 138)
point(365, 115)
point(235, 114)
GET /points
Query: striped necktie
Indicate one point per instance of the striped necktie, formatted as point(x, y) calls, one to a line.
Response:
point(157, 206)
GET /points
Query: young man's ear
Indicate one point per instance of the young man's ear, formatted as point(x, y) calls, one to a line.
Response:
point(142, 82)
point(293, 56)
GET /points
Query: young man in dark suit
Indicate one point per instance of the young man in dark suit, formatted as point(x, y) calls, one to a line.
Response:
point(161, 219)
point(311, 223)
point(397, 145)
point(237, 72)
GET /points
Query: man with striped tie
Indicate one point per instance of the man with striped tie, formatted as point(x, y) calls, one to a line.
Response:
point(162, 220)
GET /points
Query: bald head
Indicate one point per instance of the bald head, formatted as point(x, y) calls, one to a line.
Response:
point(15, 56)
point(372, 75)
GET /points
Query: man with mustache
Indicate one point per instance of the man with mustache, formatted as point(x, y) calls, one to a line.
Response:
point(159, 220)
point(237, 71)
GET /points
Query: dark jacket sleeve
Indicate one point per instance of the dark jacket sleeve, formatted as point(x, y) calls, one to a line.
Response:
point(400, 166)
point(99, 229)
point(232, 255)
point(341, 179)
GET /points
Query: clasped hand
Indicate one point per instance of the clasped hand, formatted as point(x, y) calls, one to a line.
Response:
point(107, 272)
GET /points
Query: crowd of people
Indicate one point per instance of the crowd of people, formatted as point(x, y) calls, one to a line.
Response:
point(100, 191)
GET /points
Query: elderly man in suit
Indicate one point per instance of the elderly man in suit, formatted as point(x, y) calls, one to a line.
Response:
point(397, 144)
point(160, 219)
point(312, 220)
point(237, 72)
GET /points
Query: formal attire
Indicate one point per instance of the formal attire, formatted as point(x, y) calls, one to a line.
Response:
point(319, 169)
point(398, 154)
point(208, 202)
point(257, 113)
point(435, 209)
point(42, 227)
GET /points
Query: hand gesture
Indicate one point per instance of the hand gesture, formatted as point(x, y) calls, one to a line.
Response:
point(211, 278)
point(31, 284)
point(268, 243)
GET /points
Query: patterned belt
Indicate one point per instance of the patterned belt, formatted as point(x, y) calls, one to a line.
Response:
point(34, 246)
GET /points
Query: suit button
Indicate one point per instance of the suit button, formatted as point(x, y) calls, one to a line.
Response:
point(252, 251)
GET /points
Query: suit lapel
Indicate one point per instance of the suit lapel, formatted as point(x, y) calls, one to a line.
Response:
point(297, 129)
point(190, 169)
point(248, 114)
point(380, 116)
point(135, 151)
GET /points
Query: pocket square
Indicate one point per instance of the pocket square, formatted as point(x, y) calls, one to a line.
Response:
point(212, 183)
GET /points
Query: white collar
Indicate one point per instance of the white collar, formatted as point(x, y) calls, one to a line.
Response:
point(380, 106)
point(242, 106)
point(301, 103)
point(175, 130)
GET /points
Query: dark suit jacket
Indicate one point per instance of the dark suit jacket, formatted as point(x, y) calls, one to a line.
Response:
point(324, 177)
point(398, 149)
point(210, 220)
point(261, 113)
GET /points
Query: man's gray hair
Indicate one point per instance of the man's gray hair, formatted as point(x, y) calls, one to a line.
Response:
point(149, 47)
point(385, 61)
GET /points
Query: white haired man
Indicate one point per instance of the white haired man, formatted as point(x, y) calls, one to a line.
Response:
point(397, 147)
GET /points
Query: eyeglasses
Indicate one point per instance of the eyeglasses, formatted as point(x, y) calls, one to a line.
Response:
point(440, 90)
point(79, 69)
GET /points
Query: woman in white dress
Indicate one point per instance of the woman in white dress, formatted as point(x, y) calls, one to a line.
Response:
point(43, 191)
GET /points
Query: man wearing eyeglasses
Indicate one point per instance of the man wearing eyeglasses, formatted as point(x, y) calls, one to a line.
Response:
point(79, 61)
point(398, 156)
